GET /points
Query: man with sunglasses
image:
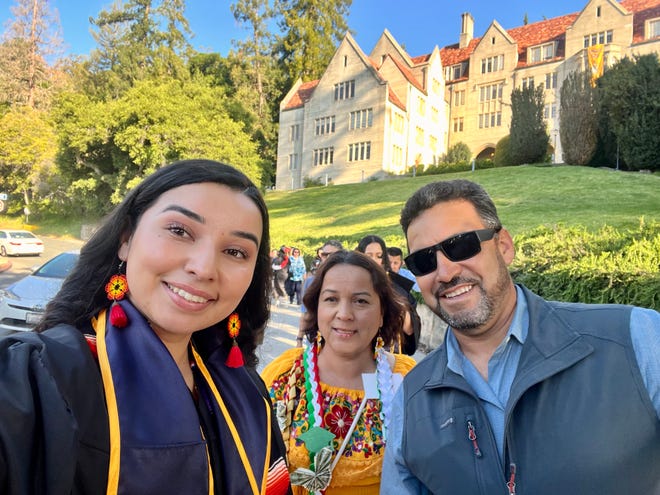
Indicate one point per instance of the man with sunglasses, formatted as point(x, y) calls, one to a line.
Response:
point(525, 395)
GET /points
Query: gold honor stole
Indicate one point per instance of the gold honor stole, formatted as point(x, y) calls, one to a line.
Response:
point(156, 442)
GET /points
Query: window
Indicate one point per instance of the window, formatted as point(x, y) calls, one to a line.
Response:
point(345, 90)
point(458, 124)
point(601, 38)
point(455, 72)
point(419, 136)
point(491, 119)
point(421, 106)
point(359, 151)
point(324, 156)
point(459, 98)
point(397, 155)
point(654, 28)
point(542, 52)
point(528, 82)
point(433, 144)
point(435, 114)
point(551, 80)
point(435, 86)
point(294, 161)
point(492, 64)
point(361, 119)
point(294, 133)
point(491, 92)
point(398, 123)
point(324, 125)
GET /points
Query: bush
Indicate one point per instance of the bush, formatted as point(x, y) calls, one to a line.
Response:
point(574, 265)
point(502, 157)
point(460, 152)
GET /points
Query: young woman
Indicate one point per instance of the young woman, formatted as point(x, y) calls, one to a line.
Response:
point(333, 418)
point(134, 380)
point(374, 247)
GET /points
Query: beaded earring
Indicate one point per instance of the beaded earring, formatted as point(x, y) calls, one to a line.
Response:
point(116, 289)
point(235, 357)
point(379, 344)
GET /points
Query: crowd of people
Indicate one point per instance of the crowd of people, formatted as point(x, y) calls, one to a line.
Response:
point(141, 376)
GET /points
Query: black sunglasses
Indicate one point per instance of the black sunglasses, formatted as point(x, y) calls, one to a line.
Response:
point(457, 248)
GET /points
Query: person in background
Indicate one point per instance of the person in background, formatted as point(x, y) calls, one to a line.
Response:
point(374, 247)
point(280, 267)
point(525, 395)
point(335, 420)
point(331, 246)
point(395, 254)
point(140, 377)
point(297, 272)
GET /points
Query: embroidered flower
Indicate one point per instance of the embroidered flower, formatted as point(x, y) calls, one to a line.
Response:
point(233, 325)
point(338, 420)
point(117, 287)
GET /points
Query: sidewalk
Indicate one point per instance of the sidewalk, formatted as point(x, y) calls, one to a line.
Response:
point(4, 266)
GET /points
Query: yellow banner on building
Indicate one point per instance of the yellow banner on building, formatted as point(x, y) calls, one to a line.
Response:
point(595, 54)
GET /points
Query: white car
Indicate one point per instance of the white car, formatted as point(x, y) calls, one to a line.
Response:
point(16, 242)
point(22, 303)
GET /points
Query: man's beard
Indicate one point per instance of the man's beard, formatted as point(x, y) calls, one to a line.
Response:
point(488, 303)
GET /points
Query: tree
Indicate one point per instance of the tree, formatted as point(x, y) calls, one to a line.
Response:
point(528, 137)
point(312, 30)
point(32, 36)
point(460, 152)
point(578, 116)
point(139, 39)
point(502, 157)
point(107, 147)
point(27, 150)
point(630, 106)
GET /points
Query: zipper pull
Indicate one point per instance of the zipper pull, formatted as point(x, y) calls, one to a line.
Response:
point(472, 436)
point(511, 485)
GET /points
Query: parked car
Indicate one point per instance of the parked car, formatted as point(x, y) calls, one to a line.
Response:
point(22, 303)
point(15, 242)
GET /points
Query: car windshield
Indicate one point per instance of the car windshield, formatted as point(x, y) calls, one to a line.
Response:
point(22, 235)
point(58, 267)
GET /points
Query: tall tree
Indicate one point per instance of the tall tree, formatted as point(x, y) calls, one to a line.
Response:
point(630, 104)
point(578, 117)
point(139, 39)
point(529, 136)
point(32, 37)
point(311, 29)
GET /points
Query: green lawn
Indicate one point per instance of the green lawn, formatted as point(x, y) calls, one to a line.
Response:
point(525, 196)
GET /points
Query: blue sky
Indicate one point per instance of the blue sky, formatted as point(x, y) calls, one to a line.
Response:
point(418, 25)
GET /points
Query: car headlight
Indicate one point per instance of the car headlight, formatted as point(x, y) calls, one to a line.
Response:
point(7, 294)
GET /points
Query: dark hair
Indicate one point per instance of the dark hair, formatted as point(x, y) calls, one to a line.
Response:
point(450, 190)
point(390, 302)
point(370, 239)
point(394, 251)
point(82, 295)
point(334, 243)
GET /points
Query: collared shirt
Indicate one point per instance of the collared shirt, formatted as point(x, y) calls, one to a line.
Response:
point(494, 394)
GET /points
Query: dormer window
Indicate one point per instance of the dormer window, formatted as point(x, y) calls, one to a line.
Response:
point(542, 52)
point(455, 72)
point(653, 28)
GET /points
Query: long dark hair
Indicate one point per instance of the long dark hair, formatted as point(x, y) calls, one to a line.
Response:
point(370, 239)
point(391, 304)
point(82, 295)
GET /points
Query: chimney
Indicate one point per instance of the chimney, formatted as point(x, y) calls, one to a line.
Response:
point(467, 29)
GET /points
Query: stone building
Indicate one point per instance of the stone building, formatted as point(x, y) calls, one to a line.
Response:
point(380, 114)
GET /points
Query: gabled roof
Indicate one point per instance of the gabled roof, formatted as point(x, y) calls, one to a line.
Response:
point(410, 77)
point(644, 10)
point(302, 96)
point(553, 29)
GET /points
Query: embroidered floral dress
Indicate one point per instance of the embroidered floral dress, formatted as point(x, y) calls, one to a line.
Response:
point(358, 471)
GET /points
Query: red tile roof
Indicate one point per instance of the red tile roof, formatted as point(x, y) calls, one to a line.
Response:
point(395, 99)
point(644, 10)
point(302, 96)
point(408, 75)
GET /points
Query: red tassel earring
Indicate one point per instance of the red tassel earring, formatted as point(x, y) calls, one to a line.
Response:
point(235, 358)
point(116, 289)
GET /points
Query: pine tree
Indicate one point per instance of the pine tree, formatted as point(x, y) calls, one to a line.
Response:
point(578, 118)
point(529, 137)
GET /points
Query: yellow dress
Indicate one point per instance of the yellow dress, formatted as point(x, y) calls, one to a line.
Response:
point(359, 469)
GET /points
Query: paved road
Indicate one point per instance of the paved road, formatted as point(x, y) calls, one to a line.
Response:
point(280, 333)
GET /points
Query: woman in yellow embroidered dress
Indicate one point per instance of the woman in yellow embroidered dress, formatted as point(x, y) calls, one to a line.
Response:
point(334, 418)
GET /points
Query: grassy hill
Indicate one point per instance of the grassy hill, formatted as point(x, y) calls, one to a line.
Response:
point(526, 197)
